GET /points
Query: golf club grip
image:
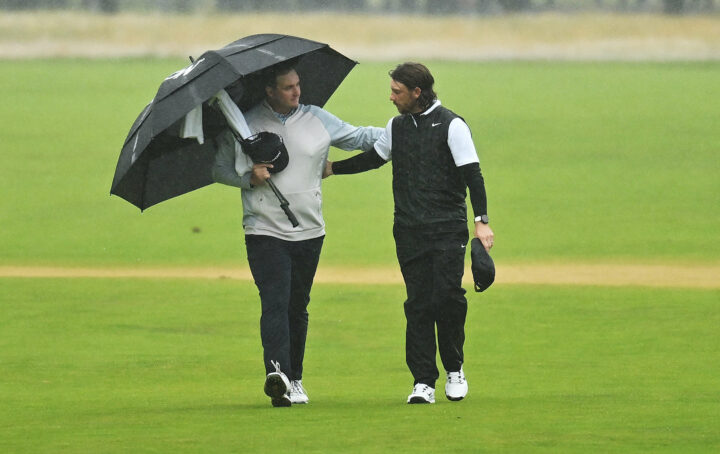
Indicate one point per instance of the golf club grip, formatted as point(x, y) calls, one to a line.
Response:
point(290, 214)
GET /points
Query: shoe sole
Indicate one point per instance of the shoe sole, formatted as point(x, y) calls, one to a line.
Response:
point(276, 389)
point(282, 401)
point(420, 400)
point(275, 386)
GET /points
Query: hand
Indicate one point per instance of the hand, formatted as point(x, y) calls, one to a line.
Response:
point(485, 234)
point(260, 173)
point(327, 171)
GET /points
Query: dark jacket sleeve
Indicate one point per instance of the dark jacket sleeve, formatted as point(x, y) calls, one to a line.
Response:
point(476, 186)
point(362, 162)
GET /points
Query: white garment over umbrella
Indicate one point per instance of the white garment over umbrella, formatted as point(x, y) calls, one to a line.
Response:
point(233, 114)
point(191, 127)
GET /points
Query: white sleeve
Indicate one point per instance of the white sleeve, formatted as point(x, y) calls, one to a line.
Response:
point(346, 136)
point(460, 143)
point(383, 146)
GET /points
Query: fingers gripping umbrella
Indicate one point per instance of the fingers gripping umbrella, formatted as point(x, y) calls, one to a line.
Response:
point(157, 163)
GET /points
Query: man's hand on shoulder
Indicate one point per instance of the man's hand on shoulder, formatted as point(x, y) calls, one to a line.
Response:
point(328, 169)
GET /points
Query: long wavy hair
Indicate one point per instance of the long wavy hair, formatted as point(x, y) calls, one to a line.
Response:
point(414, 75)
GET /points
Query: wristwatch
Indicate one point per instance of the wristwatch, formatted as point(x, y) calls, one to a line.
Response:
point(484, 219)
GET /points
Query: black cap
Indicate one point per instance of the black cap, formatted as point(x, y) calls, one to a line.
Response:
point(267, 148)
point(483, 267)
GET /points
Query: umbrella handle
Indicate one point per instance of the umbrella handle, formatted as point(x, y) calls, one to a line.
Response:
point(284, 204)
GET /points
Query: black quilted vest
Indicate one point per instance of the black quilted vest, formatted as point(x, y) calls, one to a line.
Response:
point(428, 188)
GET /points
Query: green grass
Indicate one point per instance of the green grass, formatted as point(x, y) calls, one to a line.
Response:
point(175, 366)
point(583, 162)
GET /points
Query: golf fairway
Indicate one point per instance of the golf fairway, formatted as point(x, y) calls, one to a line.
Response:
point(588, 166)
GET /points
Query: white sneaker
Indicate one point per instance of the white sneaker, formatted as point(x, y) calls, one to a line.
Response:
point(277, 386)
point(456, 386)
point(422, 394)
point(298, 395)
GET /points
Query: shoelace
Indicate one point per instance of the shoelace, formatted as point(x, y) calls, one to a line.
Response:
point(455, 377)
point(295, 387)
point(277, 365)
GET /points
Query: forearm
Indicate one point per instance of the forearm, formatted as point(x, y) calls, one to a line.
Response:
point(227, 175)
point(476, 187)
point(346, 136)
point(224, 170)
point(362, 162)
point(356, 138)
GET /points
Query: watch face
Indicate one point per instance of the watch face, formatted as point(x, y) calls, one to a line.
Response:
point(484, 219)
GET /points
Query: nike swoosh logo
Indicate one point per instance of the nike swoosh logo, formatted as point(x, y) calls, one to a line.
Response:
point(436, 124)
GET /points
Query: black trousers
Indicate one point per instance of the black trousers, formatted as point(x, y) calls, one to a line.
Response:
point(283, 272)
point(432, 266)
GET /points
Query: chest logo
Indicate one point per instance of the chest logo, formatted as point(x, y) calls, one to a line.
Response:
point(436, 124)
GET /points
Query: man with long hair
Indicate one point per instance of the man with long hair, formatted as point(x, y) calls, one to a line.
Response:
point(434, 161)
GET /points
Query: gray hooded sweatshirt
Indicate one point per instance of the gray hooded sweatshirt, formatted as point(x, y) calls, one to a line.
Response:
point(308, 133)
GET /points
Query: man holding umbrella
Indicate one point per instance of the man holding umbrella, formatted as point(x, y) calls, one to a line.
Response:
point(434, 161)
point(283, 258)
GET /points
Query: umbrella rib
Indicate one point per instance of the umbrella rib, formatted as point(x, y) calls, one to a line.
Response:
point(247, 48)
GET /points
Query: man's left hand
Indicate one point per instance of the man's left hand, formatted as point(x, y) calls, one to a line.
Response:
point(485, 234)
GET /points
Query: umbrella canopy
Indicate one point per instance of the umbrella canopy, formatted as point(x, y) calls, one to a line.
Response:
point(156, 163)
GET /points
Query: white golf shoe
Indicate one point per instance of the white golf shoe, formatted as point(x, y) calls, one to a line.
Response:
point(298, 395)
point(422, 394)
point(277, 387)
point(456, 387)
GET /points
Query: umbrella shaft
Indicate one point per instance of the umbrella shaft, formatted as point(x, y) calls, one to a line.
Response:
point(281, 198)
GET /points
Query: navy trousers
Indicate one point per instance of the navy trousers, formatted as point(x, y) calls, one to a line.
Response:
point(432, 266)
point(283, 272)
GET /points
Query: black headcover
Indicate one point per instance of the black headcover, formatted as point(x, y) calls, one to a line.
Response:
point(483, 267)
point(267, 148)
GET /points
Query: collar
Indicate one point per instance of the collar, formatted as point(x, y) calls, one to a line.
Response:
point(426, 112)
point(431, 108)
point(282, 117)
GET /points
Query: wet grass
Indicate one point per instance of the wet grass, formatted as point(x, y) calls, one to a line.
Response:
point(142, 365)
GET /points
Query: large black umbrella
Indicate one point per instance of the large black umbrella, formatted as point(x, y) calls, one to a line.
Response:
point(156, 164)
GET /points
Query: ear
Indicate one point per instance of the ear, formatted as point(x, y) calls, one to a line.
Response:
point(268, 91)
point(416, 93)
